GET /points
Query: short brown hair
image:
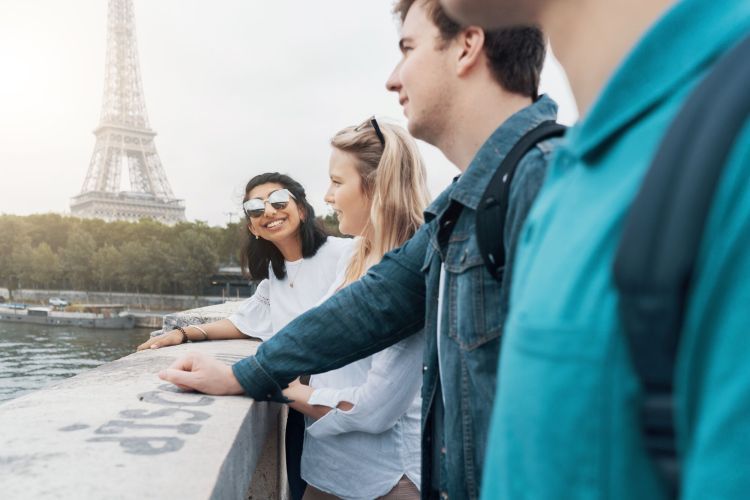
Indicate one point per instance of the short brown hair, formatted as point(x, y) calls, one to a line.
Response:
point(515, 55)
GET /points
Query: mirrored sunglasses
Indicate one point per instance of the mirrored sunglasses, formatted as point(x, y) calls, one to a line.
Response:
point(255, 207)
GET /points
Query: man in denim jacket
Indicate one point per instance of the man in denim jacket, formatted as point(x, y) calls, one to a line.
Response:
point(473, 94)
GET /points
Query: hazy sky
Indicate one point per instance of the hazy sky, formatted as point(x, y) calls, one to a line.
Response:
point(233, 88)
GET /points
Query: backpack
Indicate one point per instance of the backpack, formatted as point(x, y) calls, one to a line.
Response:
point(661, 237)
point(660, 240)
point(493, 206)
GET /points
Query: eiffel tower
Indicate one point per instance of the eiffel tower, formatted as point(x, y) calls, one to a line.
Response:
point(124, 139)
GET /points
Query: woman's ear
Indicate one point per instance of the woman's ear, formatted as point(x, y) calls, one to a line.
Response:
point(301, 212)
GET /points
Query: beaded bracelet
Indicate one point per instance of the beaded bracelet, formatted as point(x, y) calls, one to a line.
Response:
point(185, 337)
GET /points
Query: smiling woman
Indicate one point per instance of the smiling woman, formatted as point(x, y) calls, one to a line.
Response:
point(282, 238)
point(280, 221)
point(287, 248)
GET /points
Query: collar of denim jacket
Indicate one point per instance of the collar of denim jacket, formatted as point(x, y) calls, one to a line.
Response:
point(470, 186)
point(678, 47)
point(440, 204)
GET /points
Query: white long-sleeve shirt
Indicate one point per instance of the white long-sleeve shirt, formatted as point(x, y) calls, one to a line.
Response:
point(363, 452)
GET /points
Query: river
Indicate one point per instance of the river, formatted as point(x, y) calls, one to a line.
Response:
point(32, 356)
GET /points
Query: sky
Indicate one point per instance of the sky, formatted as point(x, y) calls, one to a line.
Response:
point(233, 88)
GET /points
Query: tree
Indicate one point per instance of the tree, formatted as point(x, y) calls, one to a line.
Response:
point(14, 238)
point(107, 268)
point(76, 259)
point(21, 263)
point(135, 259)
point(330, 223)
point(45, 268)
point(49, 250)
point(229, 242)
point(198, 261)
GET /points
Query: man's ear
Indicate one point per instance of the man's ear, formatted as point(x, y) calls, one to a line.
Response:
point(470, 49)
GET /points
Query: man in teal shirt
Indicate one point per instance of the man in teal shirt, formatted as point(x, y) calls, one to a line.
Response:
point(566, 418)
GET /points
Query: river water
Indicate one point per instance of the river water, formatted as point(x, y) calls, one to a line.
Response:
point(32, 356)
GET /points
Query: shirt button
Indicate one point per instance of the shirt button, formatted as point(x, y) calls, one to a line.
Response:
point(268, 396)
point(444, 495)
point(463, 257)
point(443, 450)
point(424, 368)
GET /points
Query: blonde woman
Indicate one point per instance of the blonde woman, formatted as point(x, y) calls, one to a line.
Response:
point(363, 420)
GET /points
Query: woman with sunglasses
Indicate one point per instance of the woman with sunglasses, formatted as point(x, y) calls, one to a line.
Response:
point(286, 248)
point(363, 434)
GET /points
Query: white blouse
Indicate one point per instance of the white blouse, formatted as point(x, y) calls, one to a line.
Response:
point(277, 302)
point(363, 452)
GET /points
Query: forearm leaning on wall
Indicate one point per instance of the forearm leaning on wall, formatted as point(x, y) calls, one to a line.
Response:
point(369, 315)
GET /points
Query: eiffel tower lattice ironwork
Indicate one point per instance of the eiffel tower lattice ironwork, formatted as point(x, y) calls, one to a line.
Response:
point(124, 139)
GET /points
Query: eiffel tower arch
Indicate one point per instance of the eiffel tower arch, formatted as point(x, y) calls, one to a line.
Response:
point(124, 139)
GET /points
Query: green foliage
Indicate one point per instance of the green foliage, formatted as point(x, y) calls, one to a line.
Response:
point(14, 240)
point(331, 223)
point(54, 252)
point(45, 267)
point(76, 259)
point(107, 268)
point(50, 251)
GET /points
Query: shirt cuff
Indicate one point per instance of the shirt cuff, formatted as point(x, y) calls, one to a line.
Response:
point(335, 421)
point(256, 382)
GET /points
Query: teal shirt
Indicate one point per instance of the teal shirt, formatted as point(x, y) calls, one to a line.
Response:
point(565, 422)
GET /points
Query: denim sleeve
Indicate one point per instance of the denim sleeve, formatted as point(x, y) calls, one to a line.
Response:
point(524, 188)
point(377, 311)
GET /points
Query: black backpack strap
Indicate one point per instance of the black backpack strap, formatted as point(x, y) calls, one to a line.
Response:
point(661, 237)
point(493, 206)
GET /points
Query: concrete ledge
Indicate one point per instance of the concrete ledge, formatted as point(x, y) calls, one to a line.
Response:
point(118, 431)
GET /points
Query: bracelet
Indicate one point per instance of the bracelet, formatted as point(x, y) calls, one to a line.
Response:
point(185, 337)
point(205, 334)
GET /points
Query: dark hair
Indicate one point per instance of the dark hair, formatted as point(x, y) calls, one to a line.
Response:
point(258, 253)
point(515, 55)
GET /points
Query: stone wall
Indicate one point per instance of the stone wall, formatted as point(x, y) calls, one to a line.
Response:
point(135, 300)
point(118, 431)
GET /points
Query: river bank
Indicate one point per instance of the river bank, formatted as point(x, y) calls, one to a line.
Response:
point(134, 301)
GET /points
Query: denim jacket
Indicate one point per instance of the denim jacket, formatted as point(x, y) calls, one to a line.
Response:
point(399, 296)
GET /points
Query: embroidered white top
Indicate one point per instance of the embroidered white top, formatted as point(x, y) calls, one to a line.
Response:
point(275, 303)
point(363, 452)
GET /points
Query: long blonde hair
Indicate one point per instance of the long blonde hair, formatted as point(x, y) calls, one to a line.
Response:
point(394, 180)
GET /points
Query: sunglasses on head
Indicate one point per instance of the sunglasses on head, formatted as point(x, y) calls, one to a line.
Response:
point(279, 199)
point(374, 124)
